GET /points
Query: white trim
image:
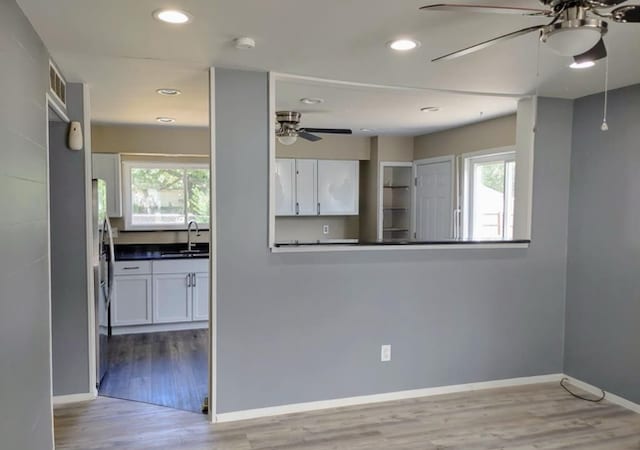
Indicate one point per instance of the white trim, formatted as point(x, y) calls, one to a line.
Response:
point(88, 178)
point(60, 400)
point(159, 328)
point(612, 398)
point(498, 154)
point(272, 159)
point(48, 101)
point(213, 259)
point(62, 113)
point(451, 159)
point(313, 248)
point(386, 397)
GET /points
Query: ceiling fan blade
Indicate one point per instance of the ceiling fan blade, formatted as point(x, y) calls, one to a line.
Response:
point(491, 9)
point(308, 136)
point(626, 14)
point(489, 43)
point(327, 130)
point(598, 51)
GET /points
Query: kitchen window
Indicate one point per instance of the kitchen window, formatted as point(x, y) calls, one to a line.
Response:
point(161, 196)
point(489, 195)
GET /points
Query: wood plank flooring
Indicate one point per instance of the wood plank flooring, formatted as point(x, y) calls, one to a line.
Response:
point(168, 369)
point(540, 416)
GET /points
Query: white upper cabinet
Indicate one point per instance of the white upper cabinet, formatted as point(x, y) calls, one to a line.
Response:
point(306, 187)
point(338, 188)
point(285, 185)
point(107, 167)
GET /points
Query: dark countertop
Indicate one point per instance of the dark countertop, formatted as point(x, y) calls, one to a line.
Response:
point(139, 252)
point(398, 242)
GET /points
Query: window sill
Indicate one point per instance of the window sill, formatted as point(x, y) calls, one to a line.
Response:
point(449, 245)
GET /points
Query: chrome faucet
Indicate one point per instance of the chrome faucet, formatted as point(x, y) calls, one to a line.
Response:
point(191, 244)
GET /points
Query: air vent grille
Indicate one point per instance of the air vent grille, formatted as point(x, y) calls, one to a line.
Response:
point(57, 85)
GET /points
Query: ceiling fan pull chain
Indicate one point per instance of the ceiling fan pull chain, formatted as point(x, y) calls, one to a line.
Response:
point(605, 126)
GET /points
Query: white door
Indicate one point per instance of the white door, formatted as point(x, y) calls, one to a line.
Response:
point(434, 200)
point(172, 298)
point(285, 187)
point(131, 302)
point(201, 296)
point(306, 187)
point(338, 188)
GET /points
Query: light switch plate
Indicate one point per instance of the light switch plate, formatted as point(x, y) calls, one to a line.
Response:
point(114, 232)
point(385, 353)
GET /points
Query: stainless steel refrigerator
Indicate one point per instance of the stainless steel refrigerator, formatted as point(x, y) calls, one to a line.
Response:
point(103, 265)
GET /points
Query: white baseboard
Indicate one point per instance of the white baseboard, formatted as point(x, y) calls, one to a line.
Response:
point(377, 398)
point(59, 400)
point(612, 398)
point(159, 328)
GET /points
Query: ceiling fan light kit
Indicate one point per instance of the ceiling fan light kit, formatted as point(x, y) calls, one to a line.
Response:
point(577, 26)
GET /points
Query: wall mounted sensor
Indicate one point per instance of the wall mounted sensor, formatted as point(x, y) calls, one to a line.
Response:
point(75, 136)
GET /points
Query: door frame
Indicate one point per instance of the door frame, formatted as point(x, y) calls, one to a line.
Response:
point(465, 160)
point(451, 159)
point(213, 253)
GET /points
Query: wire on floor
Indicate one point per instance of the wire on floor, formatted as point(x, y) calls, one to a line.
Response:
point(592, 400)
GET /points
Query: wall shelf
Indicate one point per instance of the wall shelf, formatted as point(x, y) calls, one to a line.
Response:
point(395, 189)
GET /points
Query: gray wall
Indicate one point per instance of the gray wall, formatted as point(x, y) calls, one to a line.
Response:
point(25, 383)
point(603, 295)
point(69, 307)
point(303, 327)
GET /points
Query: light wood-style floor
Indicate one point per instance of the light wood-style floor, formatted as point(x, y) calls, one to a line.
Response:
point(523, 418)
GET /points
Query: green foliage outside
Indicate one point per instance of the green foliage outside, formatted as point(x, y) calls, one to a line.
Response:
point(148, 184)
point(493, 176)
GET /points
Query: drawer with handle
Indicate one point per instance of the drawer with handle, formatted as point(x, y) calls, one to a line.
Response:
point(132, 268)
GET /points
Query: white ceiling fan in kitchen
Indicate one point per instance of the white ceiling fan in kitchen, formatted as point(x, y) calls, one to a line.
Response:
point(576, 28)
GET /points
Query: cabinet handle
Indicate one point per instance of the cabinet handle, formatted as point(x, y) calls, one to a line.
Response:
point(297, 208)
point(188, 280)
point(131, 268)
point(318, 208)
point(193, 275)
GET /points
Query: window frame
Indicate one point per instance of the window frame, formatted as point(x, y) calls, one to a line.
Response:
point(126, 193)
point(469, 160)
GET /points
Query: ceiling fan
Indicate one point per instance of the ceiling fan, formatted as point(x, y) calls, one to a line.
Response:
point(576, 28)
point(288, 130)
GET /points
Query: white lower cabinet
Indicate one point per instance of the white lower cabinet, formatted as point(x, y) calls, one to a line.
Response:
point(173, 292)
point(201, 296)
point(171, 298)
point(131, 300)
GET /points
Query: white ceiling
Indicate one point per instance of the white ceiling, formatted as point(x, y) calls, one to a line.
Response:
point(124, 54)
point(386, 111)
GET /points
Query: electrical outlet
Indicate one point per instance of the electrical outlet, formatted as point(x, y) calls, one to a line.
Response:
point(114, 232)
point(325, 229)
point(385, 353)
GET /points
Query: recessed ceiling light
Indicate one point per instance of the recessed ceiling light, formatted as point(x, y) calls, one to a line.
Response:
point(403, 45)
point(582, 65)
point(430, 109)
point(367, 130)
point(311, 101)
point(166, 119)
point(174, 16)
point(168, 92)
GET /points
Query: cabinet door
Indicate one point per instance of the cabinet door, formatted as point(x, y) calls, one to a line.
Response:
point(131, 300)
point(201, 296)
point(107, 167)
point(285, 184)
point(171, 298)
point(338, 188)
point(306, 187)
